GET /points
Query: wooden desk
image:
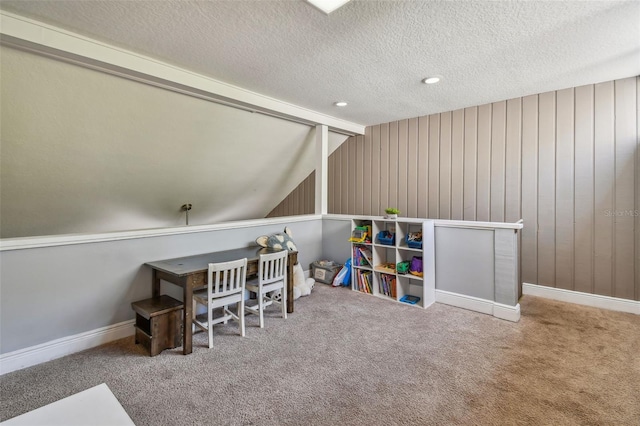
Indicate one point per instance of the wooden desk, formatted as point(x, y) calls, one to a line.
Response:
point(191, 272)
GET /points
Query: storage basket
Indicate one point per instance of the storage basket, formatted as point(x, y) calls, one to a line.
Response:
point(386, 238)
point(324, 271)
point(413, 243)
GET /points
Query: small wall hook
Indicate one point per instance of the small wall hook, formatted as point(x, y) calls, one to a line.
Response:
point(186, 208)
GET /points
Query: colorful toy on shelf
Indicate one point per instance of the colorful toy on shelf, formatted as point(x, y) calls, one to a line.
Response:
point(416, 266)
point(412, 300)
point(361, 234)
point(414, 240)
point(386, 267)
point(403, 267)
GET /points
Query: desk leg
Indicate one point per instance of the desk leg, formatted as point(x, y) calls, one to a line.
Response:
point(155, 285)
point(293, 259)
point(187, 334)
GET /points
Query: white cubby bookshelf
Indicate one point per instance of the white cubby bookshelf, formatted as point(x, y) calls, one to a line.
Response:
point(377, 276)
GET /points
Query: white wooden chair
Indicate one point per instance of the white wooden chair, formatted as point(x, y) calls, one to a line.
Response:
point(225, 286)
point(272, 276)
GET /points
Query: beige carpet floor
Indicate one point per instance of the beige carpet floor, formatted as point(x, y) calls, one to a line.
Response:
point(345, 358)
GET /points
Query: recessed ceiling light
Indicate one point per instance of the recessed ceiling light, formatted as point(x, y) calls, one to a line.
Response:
point(431, 80)
point(340, 104)
point(328, 6)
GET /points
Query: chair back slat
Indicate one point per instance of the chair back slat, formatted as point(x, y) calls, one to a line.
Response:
point(273, 267)
point(227, 277)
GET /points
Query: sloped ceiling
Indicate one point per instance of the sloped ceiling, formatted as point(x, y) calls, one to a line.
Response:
point(373, 54)
point(86, 152)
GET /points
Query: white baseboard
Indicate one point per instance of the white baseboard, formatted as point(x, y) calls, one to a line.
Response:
point(48, 351)
point(498, 310)
point(34, 355)
point(506, 312)
point(58, 348)
point(587, 299)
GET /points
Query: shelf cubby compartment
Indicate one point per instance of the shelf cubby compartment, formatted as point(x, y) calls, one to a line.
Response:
point(405, 231)
point(387, 285)
point(361, 255)
point(362, 227)
point(362, 281)
point(384, 259)
point(407, 256)
point(381, 227)
point(412, 288)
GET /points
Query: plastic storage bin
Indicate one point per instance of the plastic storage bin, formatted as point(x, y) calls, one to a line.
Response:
point(324, 271)
point(415, 242)
point(386, 238)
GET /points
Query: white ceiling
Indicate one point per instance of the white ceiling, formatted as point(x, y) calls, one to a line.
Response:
point(373, 54)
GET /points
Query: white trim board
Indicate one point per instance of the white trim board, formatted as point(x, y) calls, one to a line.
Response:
point(579, 298)
point(68, 239)
point(21, 243)
point(438, 223)
point(58, 348)
point(498, 310)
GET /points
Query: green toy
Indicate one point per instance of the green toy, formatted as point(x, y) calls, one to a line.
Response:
point(403, 267)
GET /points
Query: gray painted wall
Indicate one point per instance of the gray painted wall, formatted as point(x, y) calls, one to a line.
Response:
point(54, 292)
point(59, 291)
point(465, 261)
point(335, 239)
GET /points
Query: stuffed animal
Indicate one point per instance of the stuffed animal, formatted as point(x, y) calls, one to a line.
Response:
point(278, 241)
point(301, 286)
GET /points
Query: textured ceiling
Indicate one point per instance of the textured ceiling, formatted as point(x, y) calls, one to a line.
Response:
point(372, 54)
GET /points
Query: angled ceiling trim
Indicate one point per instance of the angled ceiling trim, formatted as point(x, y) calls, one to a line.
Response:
point(41, 38)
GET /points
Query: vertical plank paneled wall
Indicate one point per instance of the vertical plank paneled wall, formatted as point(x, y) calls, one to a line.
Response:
point(300, 201)
point(566, 162)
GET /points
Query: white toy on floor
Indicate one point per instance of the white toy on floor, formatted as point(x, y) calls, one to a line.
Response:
point(301, 286)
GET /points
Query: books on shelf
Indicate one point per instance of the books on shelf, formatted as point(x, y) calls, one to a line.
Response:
point(387, 285)
point(362, 256)
point(364, 281)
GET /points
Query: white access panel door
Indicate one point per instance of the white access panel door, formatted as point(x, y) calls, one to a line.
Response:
point(96, 406)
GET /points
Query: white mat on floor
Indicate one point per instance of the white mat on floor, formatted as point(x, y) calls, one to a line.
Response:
point(96, 406)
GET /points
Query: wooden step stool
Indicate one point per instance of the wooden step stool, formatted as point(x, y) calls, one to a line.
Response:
point(158, 323)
